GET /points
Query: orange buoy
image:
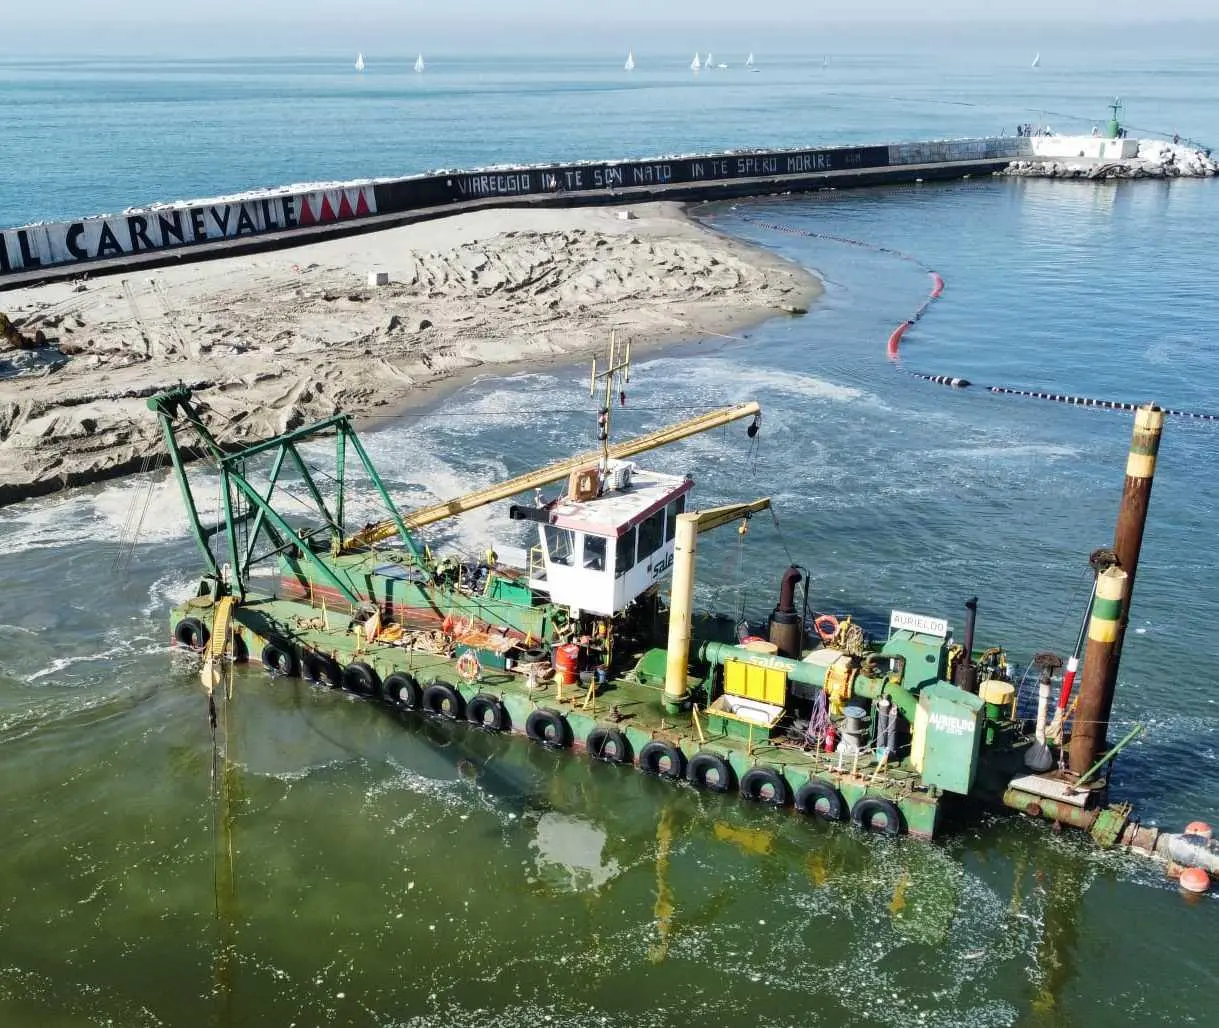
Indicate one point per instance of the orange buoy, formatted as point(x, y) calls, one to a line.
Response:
point(1198, 828)
point(938, 289)
point(896, 338)
point(1194, 879)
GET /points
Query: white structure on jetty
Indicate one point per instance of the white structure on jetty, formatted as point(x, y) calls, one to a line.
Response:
point(1109, 154)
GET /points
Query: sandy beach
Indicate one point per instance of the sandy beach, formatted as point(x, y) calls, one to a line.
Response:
point(273, 340)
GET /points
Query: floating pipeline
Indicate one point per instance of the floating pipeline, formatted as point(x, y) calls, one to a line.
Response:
point(954, 381)
point(291, 215)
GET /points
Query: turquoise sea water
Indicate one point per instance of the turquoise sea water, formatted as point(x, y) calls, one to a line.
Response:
point(388, 873)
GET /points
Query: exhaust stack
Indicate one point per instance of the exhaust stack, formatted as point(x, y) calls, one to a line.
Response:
point(786, 630)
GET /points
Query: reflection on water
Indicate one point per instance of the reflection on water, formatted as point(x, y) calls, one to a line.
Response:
point(570, 853)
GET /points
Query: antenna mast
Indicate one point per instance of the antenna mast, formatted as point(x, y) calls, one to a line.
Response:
point(618, 369)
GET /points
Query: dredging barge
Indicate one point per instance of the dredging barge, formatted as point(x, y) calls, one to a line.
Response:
point(573, 644)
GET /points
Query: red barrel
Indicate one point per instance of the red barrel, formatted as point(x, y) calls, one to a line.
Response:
point(566, 659)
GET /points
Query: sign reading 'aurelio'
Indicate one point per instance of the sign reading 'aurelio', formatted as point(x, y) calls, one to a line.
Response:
point(93, 239)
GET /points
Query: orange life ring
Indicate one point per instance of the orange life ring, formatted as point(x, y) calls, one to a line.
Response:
point(826, 627)
point(468, 666)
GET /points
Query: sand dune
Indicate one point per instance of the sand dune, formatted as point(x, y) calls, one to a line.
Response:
point(276, 339)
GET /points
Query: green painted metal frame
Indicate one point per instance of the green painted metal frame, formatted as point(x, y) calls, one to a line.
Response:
point(172, 403)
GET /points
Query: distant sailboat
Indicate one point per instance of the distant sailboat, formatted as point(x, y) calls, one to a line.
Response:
point(419, 63)
point(707, 63)
point(1037, 60)
point(694, 64)
point(630, 60)
point(749, 60)
point(359, 62)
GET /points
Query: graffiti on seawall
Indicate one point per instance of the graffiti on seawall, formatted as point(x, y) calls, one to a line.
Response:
point(140, 231)
point(675, 171)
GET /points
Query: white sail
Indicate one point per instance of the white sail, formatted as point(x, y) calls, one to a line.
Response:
point(630, 60)
point(1036, 60)
point(749, 60)
point(694, 64)
point(707, 63)
point(359, 62)
point(419, 63)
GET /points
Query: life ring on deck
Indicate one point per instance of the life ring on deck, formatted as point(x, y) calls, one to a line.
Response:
point(826, 627)
point(443, 700)
point(710, 771)
point(400, 690)
point(191, 633)
point(877, 814)
point(821, 800)
point(279, 660)
point(663, 759)
point(468, 666)
point(765, 785)
point(549, 728)
point(487, 712)
point(361, 679)
point(608, 744)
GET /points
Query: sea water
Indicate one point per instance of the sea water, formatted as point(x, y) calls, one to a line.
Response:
point(359, 870)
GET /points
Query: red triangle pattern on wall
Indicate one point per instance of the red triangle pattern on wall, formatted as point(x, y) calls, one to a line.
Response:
point(324, 210)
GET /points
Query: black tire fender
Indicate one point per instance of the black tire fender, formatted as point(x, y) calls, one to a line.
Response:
point(664, 759)
point(704, 764)
point(548, 727)
point(487, 712)
point(821, 800)
point(191, 633)
point(361, 679)
point(443, 700)
point(311, 666)
point(608, 744)
point(329, 673)
point(400, 690)
point(866, 810)
point(756, 780)
point(279, 660)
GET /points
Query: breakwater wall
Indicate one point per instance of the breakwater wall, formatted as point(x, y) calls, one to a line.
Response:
point(196, 229)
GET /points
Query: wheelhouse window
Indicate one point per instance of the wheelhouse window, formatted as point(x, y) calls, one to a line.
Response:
point(678, 506)
point(651, 534)
point(560, 545)
point(594, 553)
point(624, 554)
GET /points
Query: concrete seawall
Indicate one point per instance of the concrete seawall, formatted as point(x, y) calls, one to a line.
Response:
point(267, 219)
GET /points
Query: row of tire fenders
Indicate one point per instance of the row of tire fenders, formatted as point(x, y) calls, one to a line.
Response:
point(547, 727)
